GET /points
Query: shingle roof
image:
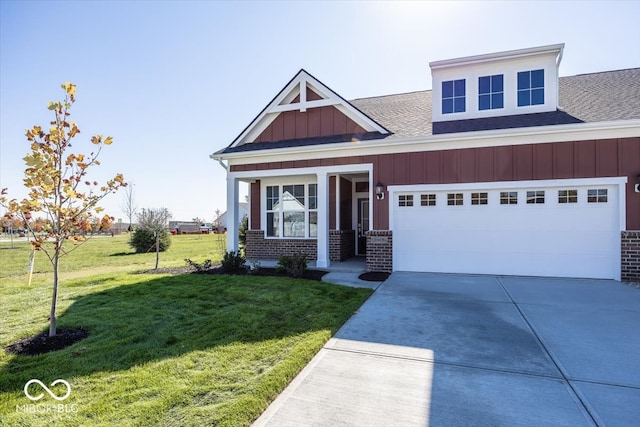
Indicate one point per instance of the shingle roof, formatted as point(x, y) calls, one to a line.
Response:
point(605, 96)
point(595, 97)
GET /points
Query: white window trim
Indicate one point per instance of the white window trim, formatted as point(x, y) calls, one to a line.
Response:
point(280, 183)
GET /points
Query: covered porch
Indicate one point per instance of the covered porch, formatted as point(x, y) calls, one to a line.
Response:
point(324, 212)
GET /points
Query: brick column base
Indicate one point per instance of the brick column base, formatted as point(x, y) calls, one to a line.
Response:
point(380, 250)
point(630, 251)
point(342, 244)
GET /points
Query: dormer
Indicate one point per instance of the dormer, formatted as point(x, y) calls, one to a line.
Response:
point(510, 83)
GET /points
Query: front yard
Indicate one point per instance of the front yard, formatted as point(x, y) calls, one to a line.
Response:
point(162, 350)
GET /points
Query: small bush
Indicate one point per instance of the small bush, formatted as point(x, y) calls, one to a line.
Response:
point(144, 240)
point(242, 235)
point(232, 262)
point(294, 265)
point(199, 267)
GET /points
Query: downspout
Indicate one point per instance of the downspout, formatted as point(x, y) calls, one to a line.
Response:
point(219, 159)
point(558, 77)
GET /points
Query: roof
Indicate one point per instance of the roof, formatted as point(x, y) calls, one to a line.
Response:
point(585, 98)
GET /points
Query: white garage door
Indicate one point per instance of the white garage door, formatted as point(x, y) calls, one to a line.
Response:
point(554, 230)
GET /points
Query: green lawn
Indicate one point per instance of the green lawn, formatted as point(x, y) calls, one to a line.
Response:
point(163, 350)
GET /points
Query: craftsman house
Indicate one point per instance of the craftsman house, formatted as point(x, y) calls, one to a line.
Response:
point(502, 168)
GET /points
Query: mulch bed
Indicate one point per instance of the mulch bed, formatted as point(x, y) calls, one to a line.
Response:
point(374, 276)
point(262, 271)
point(43, 343)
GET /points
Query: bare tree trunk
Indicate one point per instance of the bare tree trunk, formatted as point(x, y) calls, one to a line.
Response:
point(54, 298)
point(157, 248)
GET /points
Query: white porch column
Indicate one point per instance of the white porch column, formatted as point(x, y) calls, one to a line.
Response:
point(338, 202)
point(323, 220)
point(232, 212)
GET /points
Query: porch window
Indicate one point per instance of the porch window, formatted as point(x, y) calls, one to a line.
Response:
point(292, 210)
point(273, 206)
point(313, 210)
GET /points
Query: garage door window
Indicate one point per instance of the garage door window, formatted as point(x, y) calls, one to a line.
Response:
point(535, 197)
point(508, 197)
point(454, 199)
point(597, 196)
point(479, 198)
point(405, 200)
point(567, 196)
point(427, 200)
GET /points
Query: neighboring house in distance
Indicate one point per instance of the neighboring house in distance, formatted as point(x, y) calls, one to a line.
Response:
point(503, 168)
point(242, 209)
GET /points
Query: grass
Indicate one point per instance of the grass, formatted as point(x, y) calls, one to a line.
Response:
point(163, 350)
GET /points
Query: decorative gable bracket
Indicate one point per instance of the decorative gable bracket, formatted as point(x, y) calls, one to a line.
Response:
point(304, 93)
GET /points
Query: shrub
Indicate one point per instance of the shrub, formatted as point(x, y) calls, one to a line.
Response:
point(232, 262)
point(144, 240)
point(294, 265)
point(197, 266)
point(242, 235)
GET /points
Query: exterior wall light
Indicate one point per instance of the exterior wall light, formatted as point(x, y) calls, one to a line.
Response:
point(379, 190)
point(637, 186)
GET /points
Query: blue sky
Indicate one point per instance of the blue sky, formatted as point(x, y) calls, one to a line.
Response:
point(173, 82)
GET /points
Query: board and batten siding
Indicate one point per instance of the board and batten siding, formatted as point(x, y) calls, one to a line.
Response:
point(561, 160)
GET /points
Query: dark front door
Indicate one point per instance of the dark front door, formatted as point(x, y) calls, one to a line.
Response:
point(363, 226)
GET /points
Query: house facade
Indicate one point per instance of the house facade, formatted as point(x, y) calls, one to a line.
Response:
point(503, 168)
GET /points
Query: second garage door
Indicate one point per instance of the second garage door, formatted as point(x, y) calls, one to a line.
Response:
point(562, 230)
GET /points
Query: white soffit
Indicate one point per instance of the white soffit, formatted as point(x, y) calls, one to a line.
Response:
point(297, 87)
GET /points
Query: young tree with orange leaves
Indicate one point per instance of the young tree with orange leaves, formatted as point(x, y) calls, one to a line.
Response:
point(59, 188)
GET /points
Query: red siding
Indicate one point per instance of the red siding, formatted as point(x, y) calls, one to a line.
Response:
point(578, 159)
point(485, 158)
point(524, 162)
point(346, 222)
point(503, 163)
point(315, 122)
point(311, 96)
point(255, 205)
point(467, 166)
point(585, 159)
point(542, 164)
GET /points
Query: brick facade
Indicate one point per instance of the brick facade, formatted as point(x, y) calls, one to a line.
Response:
point(630, 250)
point(380, 250)
point(260, 248)
point(341, 246)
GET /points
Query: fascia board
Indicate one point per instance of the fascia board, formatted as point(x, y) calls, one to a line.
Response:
point(555, 49)
point(501, 137)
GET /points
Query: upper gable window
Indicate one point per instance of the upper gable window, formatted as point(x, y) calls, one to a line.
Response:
point(453, 96)
point(530, 88)
point(491, 92)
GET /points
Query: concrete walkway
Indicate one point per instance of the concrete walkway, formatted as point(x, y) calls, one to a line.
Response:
point(460, 350)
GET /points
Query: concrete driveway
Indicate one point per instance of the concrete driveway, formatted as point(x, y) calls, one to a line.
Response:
point(460, 350)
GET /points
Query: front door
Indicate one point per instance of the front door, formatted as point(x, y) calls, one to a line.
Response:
point(363, 226)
